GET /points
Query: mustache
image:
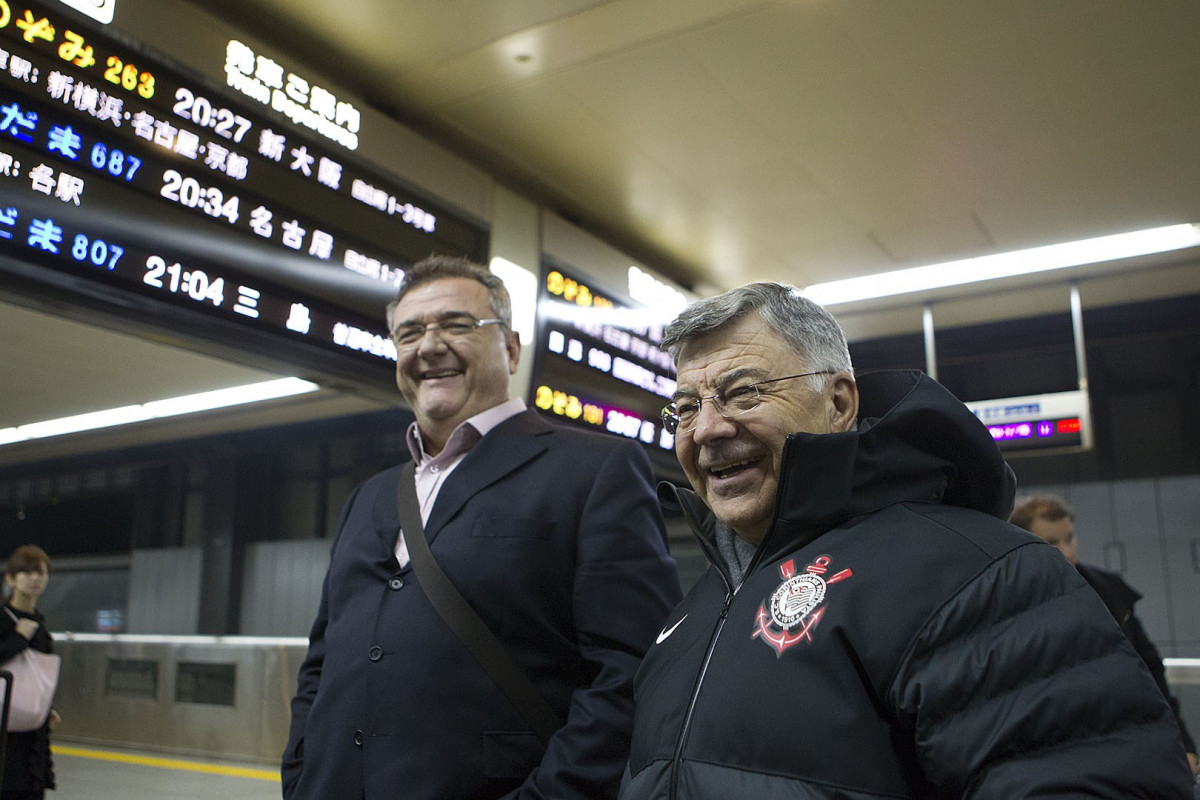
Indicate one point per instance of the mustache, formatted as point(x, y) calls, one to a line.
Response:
point(727, 452)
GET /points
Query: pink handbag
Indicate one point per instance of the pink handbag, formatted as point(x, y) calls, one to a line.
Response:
point(35, 677)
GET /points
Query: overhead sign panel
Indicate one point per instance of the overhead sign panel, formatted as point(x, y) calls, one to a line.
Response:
point(99, 10)
point(125, 176)
point(598, 364)
point(1038, 423)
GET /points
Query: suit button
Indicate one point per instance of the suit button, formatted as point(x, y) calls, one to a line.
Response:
point(395, 583)
point(375, 653)
point(358, 737)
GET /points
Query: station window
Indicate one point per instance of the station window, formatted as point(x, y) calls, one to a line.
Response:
point(207, 684)
point(132, 679)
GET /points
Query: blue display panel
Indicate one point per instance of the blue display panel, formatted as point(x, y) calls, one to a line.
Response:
point(128, 179)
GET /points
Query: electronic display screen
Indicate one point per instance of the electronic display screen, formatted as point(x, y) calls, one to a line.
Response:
point(597, 363)
point(1044, 423)
point(1038, 434)
point(128, 178)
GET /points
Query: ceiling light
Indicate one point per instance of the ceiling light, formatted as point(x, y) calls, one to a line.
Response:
point(188, 404)
point(1006, 265)
point(655, 294)
point(83, 422)
point(522, 287)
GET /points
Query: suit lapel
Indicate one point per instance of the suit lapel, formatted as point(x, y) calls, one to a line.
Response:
point(386, 518)
point(506, 448)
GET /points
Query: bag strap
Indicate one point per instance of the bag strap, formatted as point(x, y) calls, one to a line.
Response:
point(463, 620)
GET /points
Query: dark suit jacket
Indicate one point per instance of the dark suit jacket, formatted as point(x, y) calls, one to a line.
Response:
point(555, 538)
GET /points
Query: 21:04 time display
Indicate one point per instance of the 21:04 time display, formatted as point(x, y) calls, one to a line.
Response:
point(194, 283)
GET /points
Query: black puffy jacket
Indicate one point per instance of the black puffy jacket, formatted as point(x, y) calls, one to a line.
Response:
point(894, 637)
point(1120, 598)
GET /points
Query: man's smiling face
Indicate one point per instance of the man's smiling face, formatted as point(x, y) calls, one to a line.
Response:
point(446, 384)
point(733, 463)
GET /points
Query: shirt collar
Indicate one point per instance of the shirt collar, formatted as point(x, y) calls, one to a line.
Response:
point(482, 422)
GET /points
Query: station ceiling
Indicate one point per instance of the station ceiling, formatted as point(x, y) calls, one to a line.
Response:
point(723, 141)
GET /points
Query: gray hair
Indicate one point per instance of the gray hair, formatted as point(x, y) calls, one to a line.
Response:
point(436, 268)
point(810, 330)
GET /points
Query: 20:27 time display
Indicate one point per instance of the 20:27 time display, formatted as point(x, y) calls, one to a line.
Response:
point(201, 111)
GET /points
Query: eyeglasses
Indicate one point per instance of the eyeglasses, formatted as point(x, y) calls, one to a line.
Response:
point(682, 415)
point(453, 330)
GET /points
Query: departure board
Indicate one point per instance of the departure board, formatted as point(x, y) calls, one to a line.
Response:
point(125, 176)
point(598, 364)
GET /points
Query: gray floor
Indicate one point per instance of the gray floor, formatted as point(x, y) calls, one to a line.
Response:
point(88, 778)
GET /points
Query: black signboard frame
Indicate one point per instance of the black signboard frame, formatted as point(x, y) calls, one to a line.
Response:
point(575, 379)
point(183, 221)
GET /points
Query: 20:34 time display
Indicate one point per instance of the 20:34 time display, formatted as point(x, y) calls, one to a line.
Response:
point(190, 193)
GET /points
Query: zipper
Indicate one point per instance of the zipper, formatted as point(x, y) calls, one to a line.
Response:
point(730, 590)
point(677, 760)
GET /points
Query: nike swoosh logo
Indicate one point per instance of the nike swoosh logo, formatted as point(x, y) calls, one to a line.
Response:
point(662, 637)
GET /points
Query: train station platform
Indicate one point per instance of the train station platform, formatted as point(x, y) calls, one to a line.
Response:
point(90, 773)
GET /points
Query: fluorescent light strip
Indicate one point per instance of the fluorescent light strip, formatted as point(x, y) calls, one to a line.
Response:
point(157, 409)
point(522, 287)
point(1006, 265)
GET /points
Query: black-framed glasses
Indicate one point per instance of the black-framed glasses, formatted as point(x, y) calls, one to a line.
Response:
point(451, 330)
point(682, 415)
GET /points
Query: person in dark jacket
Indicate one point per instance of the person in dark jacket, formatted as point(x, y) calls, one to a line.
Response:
point(28, 768)
point(1051, 518)
point(870, 625)
point(553, 536)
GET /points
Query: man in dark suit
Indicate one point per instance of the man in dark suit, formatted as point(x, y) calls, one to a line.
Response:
point(552, 535)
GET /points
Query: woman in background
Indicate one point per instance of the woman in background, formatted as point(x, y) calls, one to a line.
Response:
point(28, 770)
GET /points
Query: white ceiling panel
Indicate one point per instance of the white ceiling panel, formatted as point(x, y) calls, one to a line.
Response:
point(84, 368)
point(973, 124)
point(722, 141)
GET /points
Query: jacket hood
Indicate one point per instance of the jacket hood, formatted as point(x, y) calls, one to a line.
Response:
point(915, 442)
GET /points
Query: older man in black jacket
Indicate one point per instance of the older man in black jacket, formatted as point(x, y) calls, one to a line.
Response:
point(871, 626)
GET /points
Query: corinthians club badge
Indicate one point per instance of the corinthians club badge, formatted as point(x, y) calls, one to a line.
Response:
point(794, 605)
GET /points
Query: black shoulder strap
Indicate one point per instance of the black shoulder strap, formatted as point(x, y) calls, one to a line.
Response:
point(458, 615)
